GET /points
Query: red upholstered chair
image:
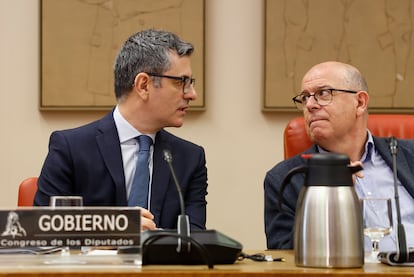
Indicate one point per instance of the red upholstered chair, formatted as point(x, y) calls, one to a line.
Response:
point(27, 191)
point(384, 125)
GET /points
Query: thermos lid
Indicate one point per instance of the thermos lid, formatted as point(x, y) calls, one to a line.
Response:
point(329, 169)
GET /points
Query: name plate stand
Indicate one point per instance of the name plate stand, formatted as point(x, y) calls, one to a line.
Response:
point(45, 230)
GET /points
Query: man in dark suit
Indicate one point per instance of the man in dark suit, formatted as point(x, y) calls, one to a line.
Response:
point(153, 87)
point(334, 101)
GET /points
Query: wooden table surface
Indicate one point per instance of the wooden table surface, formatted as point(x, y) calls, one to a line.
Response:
point(239, 268)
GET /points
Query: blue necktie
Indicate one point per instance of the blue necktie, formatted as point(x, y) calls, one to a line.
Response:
point(138, 195)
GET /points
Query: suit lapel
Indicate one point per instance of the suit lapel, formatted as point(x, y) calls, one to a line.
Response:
point(108, 142)
point(382, 144)
point(160, 175)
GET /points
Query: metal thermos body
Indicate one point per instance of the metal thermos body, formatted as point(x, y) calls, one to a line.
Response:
point(328, 228)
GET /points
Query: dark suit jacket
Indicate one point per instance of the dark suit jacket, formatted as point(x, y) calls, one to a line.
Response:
point(87, 161)
point(279, 225)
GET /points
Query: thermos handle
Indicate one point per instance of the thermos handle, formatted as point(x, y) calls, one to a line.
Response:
point(302, 169)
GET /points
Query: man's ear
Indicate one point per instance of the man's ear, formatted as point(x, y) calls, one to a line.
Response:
point(363, 99)
point(141, 85)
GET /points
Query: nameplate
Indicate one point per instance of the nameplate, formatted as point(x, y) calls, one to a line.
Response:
point(74, 227)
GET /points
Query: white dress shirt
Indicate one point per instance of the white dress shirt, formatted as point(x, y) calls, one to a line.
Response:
point(129, 148)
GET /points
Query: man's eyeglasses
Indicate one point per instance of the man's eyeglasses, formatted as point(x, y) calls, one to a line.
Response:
point(185, 80)
point(323, 97)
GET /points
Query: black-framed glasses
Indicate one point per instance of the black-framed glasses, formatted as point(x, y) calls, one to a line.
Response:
point(185, 80)
point(323, 97)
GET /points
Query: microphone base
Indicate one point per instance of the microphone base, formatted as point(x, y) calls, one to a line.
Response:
point(388, 258)
point(221, 248)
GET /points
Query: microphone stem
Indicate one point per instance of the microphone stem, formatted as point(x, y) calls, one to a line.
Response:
point(180, 194)
point(396, 194)
point(402, 247)
point(183, 223)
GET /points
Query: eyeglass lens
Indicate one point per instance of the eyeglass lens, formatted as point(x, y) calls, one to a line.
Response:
point(187, 82)
point(322, 97)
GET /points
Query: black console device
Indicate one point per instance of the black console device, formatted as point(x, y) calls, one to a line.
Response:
point(160, 247)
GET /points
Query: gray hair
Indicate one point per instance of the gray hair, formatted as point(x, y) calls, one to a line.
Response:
point(146, 51)
point(355, 79)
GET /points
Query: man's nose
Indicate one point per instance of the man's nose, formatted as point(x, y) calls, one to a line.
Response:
point(191, 94)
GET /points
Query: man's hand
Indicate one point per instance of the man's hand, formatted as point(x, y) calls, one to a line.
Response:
point(358, 174)
point(147, 220)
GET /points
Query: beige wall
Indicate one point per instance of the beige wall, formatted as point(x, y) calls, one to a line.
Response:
point(241, 142)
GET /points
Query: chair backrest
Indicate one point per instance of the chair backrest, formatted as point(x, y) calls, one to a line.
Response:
point(27, 191)
point(296, 139)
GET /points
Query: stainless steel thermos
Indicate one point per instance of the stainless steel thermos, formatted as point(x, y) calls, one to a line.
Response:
point(328, 230)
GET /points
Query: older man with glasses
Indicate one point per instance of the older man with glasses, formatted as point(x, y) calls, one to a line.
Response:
point(334, 100)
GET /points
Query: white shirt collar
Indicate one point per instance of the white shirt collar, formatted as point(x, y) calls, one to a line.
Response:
point(126, 131)
point(369, 148)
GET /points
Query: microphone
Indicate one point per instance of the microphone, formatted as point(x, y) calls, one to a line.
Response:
point(402, 255)
point(183, 223)
point(402, 248)
point(203, 246)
